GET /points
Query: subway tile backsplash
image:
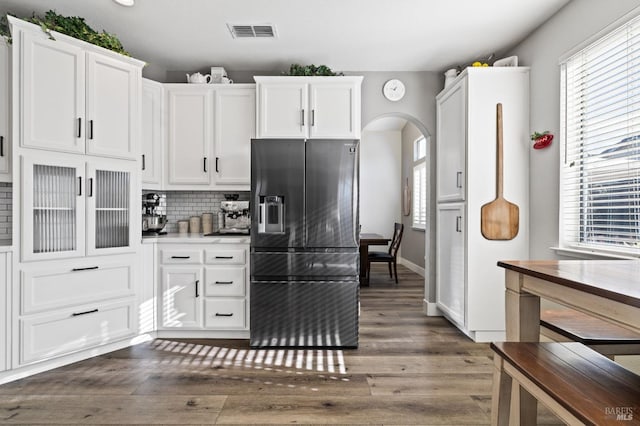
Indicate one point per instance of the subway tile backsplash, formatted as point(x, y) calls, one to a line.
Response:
point(181, 205)
point(6, 200)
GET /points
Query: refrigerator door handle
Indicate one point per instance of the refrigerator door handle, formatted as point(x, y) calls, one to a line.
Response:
point(261, 214)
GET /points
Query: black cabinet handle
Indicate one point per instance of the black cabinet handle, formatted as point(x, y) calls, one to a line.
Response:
point(224, 282)
point(1, 146)
point(205, 164)
point(458, 223)
point(89, 268)
point(217, 160)
point(197, 282)
point(144, 164)
point(79, 126)
point(458, 180)
point(313, 117)
point(79, 186)
point(224, 257)
point(181, 257)
point(223, 315)
point(77, 314)
point(90, 187)
point(302, 115)
point(90, 129)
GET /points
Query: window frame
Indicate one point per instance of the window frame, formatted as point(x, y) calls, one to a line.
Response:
point(419, 191)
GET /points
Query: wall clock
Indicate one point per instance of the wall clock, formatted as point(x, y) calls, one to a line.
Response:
point(393, 90)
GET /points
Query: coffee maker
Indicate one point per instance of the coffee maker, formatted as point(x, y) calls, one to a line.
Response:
point(234, 217)
point(152, 222)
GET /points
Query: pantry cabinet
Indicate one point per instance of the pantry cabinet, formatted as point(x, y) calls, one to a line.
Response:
point(469, 285)
point(74, 207)
point(5, 107)
point(75, 97)
point(308, 107)
point(152, 134)
point(5, 285)
point(204, 288)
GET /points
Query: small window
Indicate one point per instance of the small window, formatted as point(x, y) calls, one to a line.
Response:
point(420, 183)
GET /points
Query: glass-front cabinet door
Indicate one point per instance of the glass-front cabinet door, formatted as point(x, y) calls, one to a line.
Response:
point(110, 205)
point(53, 222)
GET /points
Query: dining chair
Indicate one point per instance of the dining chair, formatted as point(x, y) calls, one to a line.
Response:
point(389, 257)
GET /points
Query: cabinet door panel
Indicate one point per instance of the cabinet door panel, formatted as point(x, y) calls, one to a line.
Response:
point(52, 89)
point(452, 136)
point(5, 284)
point(110, 207)
point(5, 99)
point(151, 134)
point(224, 313)
point(53, 206)
point(283, 111)
point(333, 110)
point(180, 301)
point(450, 273)
point(112, 111)
point(189, 159)
point(235, 111)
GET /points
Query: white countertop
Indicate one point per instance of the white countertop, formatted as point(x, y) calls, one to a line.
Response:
point(196, 238)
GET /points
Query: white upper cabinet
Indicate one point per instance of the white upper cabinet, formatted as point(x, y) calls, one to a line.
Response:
point(5, 100)
point(308, 107)
point(452, 138)
point(234, 126)
point(76, 97)
point(112, 107)
point(189, 128)
point(152, 99)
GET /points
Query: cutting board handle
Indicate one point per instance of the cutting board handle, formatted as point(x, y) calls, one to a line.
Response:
point(499, 150)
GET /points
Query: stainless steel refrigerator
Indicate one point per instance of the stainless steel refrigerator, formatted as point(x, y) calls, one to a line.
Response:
point(304, 243)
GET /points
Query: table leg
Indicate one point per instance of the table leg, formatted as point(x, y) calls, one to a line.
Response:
point(364, 256)
point(523, 325)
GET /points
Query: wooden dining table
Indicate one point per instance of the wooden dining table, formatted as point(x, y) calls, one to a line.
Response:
point(366, 240)
point(606, 289)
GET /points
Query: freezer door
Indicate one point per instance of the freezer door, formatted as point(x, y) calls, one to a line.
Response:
point(331, 196)
point(342, 265)
point(277, 193)
point(304, 314)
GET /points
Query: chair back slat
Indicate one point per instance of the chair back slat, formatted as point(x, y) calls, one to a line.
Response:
point(398, 228)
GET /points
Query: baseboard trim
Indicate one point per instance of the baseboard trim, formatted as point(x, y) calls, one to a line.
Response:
point(431, 309)
point(412, 266)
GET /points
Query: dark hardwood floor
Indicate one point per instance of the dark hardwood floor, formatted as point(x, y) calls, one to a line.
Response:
point(409, 369)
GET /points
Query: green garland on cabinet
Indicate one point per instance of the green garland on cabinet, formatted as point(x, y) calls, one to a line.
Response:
point(73, 26)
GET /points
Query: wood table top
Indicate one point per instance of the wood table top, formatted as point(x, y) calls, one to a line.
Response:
point(617, 280)
point(373, 238)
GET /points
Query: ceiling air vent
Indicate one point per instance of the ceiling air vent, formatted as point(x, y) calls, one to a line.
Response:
point(252, 31)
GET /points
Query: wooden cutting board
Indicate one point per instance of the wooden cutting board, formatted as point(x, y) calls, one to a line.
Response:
point(499, 218)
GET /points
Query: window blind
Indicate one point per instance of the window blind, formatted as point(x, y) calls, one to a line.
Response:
point(600, 156)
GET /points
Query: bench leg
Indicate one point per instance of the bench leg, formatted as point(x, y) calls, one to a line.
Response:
point(501, 398)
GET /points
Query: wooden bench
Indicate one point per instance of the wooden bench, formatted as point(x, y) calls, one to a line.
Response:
point(576, 383)
point(601, 336)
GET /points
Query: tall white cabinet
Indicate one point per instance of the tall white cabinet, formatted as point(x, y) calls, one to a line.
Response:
point(77, 165)
point(469, 286)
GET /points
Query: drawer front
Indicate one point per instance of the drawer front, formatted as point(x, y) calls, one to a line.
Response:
point(226, 256)
point(222, 313)
point(48, 336)
point(180, 256)
point(225, 281)
point(54, 287)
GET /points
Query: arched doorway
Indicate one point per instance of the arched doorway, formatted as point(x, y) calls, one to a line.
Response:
point(387, 164)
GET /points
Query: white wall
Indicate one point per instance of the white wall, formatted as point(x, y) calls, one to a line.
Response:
point(380, 174)
point(413, 240)
point(573, 24)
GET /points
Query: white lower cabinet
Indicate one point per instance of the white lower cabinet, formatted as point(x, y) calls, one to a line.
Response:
point(67, 306)
point(204, 287)
point(5, 284)
point(450, 260)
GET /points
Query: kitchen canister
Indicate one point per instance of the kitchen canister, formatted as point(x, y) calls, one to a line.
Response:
point(194, 225)
point(183, 226)
point(207, 223)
